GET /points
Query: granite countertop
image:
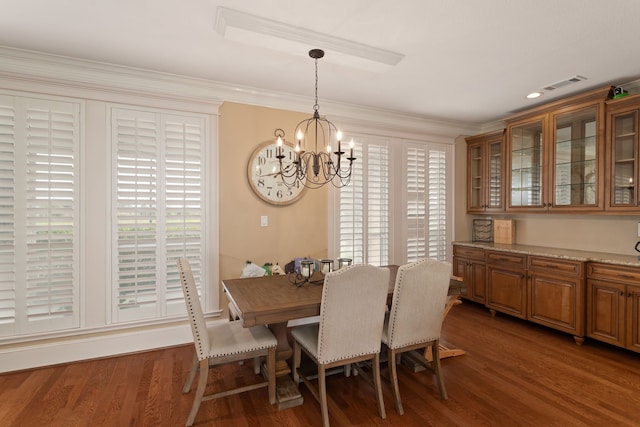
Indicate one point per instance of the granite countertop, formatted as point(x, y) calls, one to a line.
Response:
point(572, 254)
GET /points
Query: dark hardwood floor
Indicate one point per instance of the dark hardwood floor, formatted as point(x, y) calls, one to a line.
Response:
point(514, 374)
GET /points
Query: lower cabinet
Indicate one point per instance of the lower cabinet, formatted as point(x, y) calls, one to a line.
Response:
point(555, 294)
point(506, 283)
point(613, 304)
point(580, 297)
point(468, 263)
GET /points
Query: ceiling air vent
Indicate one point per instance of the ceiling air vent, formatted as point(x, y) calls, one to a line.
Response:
point(561, 83)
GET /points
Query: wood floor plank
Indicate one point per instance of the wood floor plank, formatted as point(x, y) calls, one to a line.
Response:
point(514, 373)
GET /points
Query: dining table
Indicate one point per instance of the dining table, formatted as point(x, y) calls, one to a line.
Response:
point(277, 299)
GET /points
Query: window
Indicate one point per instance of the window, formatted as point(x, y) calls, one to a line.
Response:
point(376, 228)
point(39, 221)
point(158, 209)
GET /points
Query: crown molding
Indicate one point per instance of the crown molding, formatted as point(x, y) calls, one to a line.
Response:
point(61, 70)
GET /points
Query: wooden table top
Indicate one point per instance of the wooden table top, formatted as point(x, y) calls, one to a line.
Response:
point(274, 299)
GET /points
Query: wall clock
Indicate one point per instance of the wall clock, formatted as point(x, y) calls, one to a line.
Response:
point(264, 175)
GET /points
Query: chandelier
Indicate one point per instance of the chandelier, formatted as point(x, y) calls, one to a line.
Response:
point(315, 164)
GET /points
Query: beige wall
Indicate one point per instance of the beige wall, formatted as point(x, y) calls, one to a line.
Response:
point(296, 230)
point(601, 233)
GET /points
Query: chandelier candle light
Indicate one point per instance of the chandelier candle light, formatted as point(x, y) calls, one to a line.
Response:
point(312, 167)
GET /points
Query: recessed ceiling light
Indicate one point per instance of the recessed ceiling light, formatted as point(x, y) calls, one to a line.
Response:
point(533, 95)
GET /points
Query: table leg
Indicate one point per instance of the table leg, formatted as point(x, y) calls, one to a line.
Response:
point(444, 351)
point(412, 359)
point(287, 392)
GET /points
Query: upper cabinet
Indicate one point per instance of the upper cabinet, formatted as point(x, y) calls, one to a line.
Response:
point(623, 144)
point(485, 172)
point(555, 156)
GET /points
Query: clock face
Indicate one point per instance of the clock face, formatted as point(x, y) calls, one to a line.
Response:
point(265, 178)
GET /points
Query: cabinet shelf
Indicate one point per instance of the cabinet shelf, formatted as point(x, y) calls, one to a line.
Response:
point(623, 161)
point(625, 135)
point(586, 139)
point(577, 162)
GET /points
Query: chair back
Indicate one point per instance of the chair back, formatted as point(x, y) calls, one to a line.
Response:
point(352, 312)
point(194, 309)
point(419, 299)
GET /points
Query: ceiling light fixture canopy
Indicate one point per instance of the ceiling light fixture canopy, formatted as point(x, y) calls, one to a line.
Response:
point(315, 164)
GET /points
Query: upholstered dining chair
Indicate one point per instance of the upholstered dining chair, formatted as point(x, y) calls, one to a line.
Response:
point(349, 331)
point(415, 318)
point(222, 343)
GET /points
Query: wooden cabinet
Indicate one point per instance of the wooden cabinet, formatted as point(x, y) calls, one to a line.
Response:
point(613, 304)
point(506, 283)
point(469, 264)
point(555, 294)
point(555, 156)
point(623, 145)
point(578, 296)
point(485, 172)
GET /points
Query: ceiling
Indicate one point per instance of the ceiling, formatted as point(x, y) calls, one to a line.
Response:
point(463, 60)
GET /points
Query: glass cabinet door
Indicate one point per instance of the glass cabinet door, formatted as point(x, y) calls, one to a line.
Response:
point(485, 170)
point(475, 182)
point(624, 155)
point(495, 175)
point(526, 164)
point(576, 159)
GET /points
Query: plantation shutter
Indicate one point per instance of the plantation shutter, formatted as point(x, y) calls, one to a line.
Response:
point(417, 199)
point(364, 212)
point(377, 193)
point(427, 228)
point(351, 211)
point(367, 217)
point(8, 174)
point(39, 205)
point(159, 209)
point(439, 228)
point(184, 196)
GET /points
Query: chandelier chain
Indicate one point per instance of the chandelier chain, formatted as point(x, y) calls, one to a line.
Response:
point(316, 107)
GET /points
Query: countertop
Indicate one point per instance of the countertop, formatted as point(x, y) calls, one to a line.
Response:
point(571, 254)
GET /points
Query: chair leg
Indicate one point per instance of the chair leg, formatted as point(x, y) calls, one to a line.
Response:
point(435, 352)
point(347, 370)
point(378, 385)
point(202, 384)
point(322, 391)
point(296, 361)
point(257, 361)
point(271, 374)
point(192, 375)
point(393, 372)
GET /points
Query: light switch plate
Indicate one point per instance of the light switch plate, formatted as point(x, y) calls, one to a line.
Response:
point(264, 221)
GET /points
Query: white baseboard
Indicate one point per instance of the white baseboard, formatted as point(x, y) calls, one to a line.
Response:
point(45, 353)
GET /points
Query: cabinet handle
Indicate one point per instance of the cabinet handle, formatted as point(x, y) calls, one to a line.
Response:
point(551, 266)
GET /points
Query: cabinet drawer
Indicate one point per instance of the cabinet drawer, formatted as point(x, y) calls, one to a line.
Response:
point(468, 252)
point(513, 259)
point(556, 265)
point(613, 272)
